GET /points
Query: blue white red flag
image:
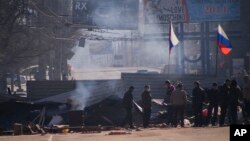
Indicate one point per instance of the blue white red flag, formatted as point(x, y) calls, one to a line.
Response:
point(223, 41)
point(173, 40)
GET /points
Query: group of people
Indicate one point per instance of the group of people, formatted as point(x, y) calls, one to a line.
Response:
point(228, 97)
point(128, 103)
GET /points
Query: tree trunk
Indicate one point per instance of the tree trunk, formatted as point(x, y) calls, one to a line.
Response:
point(51, 64)
point(42, 68)
point(58, 62)
point(3, 81)
point(64, 65)
point(12, 82)
point(19, 84)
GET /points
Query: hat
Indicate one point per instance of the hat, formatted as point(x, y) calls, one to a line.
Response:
point(131, 87)
point(179, 85)
point(227, 80)
point(214, 84)
point(167, 82)
point(197, 83)
point(234, 83)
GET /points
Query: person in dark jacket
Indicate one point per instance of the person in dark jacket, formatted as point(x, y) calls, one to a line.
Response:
point(178, 100)
point(213, 100)
point(224, 100)
point(146, 105)
point(197, 101)
point(234, 96)
point(169, 90)
point(128, 105)
point(246, 96)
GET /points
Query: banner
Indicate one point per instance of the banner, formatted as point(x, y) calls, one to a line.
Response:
point(164, 11)
point(213, 10)
point(114, 14)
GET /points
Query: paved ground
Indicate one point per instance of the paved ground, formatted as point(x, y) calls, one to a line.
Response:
point(176, 134)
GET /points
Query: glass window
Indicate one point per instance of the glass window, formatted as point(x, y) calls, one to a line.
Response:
point(192, 49)
point(192, 56)
point(192, 27)
point(193, 68)
point(227, 26)
point(212, 56)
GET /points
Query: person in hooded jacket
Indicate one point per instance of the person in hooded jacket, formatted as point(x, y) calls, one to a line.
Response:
point(178, 100)
point(246, 96)
point(128, 105)
point(169, 90)
point(198, 98)
point(224, 92)
point(146, 105)
point(213, 101)
point(234, 95)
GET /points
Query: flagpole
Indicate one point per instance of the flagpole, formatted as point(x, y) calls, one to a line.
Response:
point(216, 60)
point(169, 51)
point(217, 53)
point(173, 41)
point(169, 61)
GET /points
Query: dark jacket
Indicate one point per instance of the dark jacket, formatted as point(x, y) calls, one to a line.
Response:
point(198, 96)
point(146, 100)
point(168, 93)
point(128, 99)
point(178, 98)
point(234, 95)
point(246, 91)
point(224, 91)
point(213, 96)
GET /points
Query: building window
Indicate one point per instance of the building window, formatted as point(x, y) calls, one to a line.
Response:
point(192, 57)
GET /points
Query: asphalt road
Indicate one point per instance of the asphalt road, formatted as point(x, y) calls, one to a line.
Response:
point(169, 134)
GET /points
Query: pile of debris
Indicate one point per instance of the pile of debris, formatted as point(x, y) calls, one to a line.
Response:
point(54, 117)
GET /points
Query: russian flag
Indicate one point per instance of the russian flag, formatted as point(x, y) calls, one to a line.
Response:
point(173, 40)
point(223, 41)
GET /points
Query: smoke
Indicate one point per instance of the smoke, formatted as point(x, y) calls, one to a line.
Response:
point(115, 13)
point(150, 51)
point(146, 47)
point(154, 51)
point(95, 54)
point(105, 49)
point(81, 58)
point(80, 97)
point(88, 93)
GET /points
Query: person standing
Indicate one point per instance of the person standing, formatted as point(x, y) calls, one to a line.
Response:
point(213, 100)
point(234, 96)
point(224, 100)
point(169, 90)
point(146, 105)
point(128, 105)
point(246, 96)
point(197, 101)
point(178, 100)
